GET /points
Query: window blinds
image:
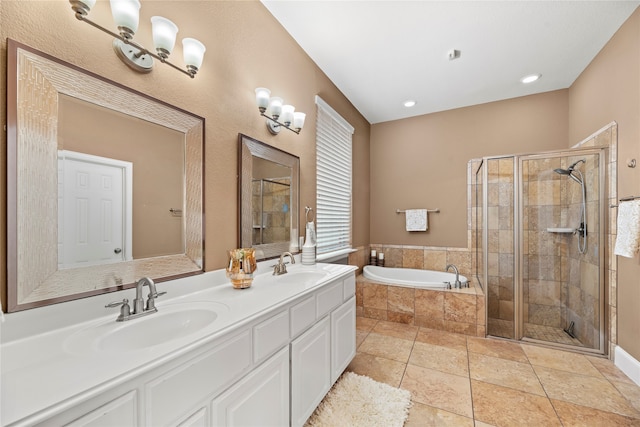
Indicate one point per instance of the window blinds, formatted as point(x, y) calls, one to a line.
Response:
point(333, 180)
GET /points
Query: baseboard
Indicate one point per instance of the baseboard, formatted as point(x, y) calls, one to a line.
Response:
point(627, 364)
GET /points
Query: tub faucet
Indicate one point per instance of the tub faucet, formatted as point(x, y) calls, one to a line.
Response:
point(281, 267)
point(458, 284)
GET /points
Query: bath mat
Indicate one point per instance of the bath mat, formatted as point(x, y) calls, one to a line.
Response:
point(358, 401)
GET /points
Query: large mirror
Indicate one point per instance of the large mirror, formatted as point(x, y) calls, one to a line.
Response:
point(268, 195)
point(104, 184)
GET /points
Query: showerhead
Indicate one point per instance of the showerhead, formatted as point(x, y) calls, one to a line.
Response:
point(569, 171)
point(563, 171)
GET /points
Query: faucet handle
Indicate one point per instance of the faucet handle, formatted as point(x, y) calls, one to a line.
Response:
point(151, 303)
point(125, 310)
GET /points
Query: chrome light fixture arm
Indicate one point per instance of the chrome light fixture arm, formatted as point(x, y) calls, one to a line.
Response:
point(141, 50)
point(276, 124)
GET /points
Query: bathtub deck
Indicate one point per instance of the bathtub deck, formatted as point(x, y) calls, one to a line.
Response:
point(453, 310)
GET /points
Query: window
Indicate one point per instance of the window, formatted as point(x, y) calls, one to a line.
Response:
point(333, 181)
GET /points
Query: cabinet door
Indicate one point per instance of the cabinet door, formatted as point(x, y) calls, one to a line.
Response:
point(119, 412)
point(343, 337)
point(197, 419)
point(260, 399)
point(310, 370)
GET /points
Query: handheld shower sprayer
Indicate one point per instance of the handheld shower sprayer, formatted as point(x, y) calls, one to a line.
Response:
point(582, 229)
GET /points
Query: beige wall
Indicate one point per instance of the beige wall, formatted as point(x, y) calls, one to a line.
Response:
point(421, 162)
point(240, 37)
point(609, 90)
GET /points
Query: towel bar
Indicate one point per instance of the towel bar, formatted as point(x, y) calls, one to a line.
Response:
point(625, 199)
point(428, 210)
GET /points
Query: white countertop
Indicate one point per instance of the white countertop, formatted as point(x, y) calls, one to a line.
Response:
point(42, 374)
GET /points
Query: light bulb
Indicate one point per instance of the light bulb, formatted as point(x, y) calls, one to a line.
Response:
point(298, 120)
point(126, 15)
point(262, 98)
point(287, 114)
point(164, 35)
point(275, 106)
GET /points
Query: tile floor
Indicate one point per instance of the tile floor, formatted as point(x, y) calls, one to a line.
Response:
point(457, 380)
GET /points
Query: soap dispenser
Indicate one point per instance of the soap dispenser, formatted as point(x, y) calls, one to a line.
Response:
point(309, 247)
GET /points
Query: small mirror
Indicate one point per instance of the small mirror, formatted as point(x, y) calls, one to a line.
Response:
point(71, 133)
point(268, 195)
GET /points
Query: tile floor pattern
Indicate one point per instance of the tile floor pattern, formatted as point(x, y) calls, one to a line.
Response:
point(458, 380)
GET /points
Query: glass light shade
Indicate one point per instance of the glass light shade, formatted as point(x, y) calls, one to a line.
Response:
point(164, 34)
point(287, 114)
point(275, 106)
point(126, 14)
point(86, 5)
point(262, 98)
point(298, 120)
point(193, 52)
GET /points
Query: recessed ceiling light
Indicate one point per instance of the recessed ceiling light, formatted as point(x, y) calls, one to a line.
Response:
point(531, 78)
point(410, 103)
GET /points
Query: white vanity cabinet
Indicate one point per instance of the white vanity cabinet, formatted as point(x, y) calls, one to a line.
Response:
point(272, 369)
point(259, 399)
point(322, 353)
point(310, 370)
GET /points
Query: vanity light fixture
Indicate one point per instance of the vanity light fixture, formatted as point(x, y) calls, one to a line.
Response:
point(126, 16)
point(290, 119)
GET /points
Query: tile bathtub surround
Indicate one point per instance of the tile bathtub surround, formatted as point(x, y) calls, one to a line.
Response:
point(458, 380)
point(426, 257)
point(453, 310)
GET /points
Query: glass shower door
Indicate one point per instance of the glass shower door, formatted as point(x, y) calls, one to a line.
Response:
point(561, 289)
point(500, 271)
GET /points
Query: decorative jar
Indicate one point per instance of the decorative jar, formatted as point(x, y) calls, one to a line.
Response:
point(242, 264)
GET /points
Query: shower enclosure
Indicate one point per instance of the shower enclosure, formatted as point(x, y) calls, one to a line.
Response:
point(540, 243)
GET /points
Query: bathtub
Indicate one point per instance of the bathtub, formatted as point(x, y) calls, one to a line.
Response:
point(409, 277)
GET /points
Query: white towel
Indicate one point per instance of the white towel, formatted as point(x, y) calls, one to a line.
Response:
point(628, 238)
point(416, 219)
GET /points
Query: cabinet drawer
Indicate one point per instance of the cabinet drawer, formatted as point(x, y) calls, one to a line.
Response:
point(303, 315)
point(329, 298)
point(196, 379)
point(270, 335)
point(349, 287)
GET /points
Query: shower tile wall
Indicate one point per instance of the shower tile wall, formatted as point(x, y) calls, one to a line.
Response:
point(543, 251)
point(608, 137)
point(500, 242)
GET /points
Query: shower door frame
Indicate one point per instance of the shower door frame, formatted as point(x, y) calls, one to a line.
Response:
point(518, 243)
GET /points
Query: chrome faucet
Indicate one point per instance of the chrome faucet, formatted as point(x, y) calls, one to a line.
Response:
point(139, 308)
point(457, 284)
point(281, 267)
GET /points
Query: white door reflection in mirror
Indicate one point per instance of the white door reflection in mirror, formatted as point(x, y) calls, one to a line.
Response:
point(94, 210)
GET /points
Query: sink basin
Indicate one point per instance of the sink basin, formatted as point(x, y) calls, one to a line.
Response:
point(171, 322)
point(302, 277)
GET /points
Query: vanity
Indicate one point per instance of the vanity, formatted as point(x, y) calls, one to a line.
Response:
point(211, 355)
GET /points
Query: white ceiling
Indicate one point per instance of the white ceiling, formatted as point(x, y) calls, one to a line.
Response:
point(382, 53)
